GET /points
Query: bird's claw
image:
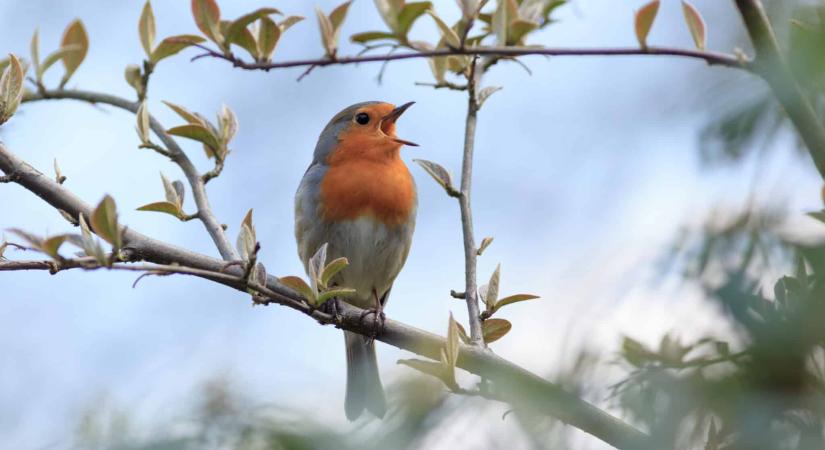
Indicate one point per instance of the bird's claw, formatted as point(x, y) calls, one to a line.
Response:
point(379, 319)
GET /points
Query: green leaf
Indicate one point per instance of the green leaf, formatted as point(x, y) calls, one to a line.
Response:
point(484, 244)
point(327, 34)
point(336, 17)
point(439, 174)
point(491, 296)
point(74, 35)
point(448, 34)
point(197, 133)
point(695, 24)
point(51, 245)
point(300, 286)
point(11, 89)
point(409, 14)
point(104, 222)
point(34, 48)
point(505, 13)
point(237, 26)
point(163, 207)
point(247, 240)
point(245, 39)
point(174, 45)
point(368, 36)
point(185, 114)
point(389, 10)
point(334, 292)
point(332, 269)
point(644, 21)
point(495, 329)
point(56, 56)
point(268, 36)
point(289, 22)
point(207, 16)
point(518, 30)
point(142, 116)
point(146, 28)
point(513, 299)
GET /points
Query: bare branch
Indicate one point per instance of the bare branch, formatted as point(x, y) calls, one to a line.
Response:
point(470, 251)
point(519, 386)
point(771, 65)
point(712, 58)
point(196, 183)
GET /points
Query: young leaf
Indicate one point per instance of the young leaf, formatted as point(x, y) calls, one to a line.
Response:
point(289, 22)
point(695, 24)
point(143, 123)
point(485, 93)
point(34, 241)
point(644, 21)
point(439, 174)
point(198, 133)
point(327, 34)
point(56, 56)
point(146, 28)
point(409, 14)
point(448, 34)
point(207, 16)
point(59, 178)
point(11, 89)
point(427, 367)
point(300, 286)
point(334, 292)
point(367, 36)
point(51, 245)
point(104, 222)
point(492, 289)
point(462, 333)
point(336, 17)
point(75, 34)
point(228, 123)
point(495, 329)
point(247, 240)
point(452, 348)
point(244, 39)
point(269, 34)
point(518, 30)
point(133, 77)
point(510, 299)
point(332, 269)
point(389, 10)
point(185, 114)
point(34, 48)
point(174, 45)
point(163, 207)
point(169, 191)
point(484, 244)
point(237, 26)
point(180, 190)
point(317, 264)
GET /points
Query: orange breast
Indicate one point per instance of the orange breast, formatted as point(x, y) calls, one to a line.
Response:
point(356, 187)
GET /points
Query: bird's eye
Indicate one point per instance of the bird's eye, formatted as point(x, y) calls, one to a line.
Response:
point(362, 118)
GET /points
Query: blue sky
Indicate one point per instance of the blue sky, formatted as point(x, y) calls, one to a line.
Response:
point(585, 170)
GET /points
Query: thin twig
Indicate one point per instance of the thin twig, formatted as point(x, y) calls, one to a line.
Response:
point(470, 251)
point(712, 58)
point(196, 183)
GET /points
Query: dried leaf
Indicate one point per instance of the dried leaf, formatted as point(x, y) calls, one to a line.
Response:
point(695, 24)
point(495, 329)
point(448, 34)
point(174, 45)
point(644, 21)
point(75, 35)
point(104, 222)
point(146, 28)
point(163, 207)
point(510, 299)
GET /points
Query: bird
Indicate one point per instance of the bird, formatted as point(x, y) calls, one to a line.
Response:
point(359, 198)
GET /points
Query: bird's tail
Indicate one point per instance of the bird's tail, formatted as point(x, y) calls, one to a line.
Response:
point(364, 390)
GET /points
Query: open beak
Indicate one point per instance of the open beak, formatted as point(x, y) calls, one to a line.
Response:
point(392, 117)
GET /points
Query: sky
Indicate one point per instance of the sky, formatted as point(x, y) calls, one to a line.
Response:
point(585, 170)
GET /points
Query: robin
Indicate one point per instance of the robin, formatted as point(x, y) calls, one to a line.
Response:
point(359, 198)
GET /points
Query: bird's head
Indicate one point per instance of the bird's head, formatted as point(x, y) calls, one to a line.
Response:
point(363, 130)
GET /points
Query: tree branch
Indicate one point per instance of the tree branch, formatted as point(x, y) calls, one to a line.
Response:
point(470, 251)
point(712, 58)
point(521, 387)
point(196, 182)
point(770, 64)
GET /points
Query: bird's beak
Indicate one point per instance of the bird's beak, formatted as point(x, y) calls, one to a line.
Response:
point(392, 117)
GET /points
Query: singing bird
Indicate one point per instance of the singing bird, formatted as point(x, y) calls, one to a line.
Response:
point(358, 197)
